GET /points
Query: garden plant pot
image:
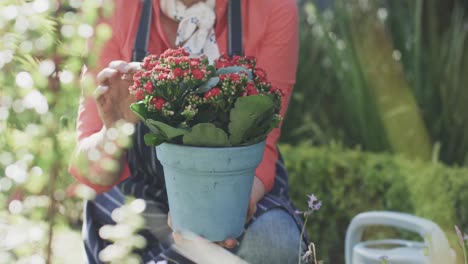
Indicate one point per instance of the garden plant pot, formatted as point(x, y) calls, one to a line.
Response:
point(209, 188)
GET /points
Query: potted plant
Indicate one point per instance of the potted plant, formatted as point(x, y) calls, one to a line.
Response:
point(209, 124)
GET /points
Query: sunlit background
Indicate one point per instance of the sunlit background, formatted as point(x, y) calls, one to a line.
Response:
point(378, 121)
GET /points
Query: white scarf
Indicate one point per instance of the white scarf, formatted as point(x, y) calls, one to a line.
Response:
point(195, 30)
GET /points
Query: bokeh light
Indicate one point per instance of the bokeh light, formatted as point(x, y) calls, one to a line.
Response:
point(67, 31)
point(5, 184)
point(16, 172)
point(35, 100)
point(10, 12)
point(15, 207)
point(6, 56)
point(66, 76)
point(85, 31)
point(46, 67)
point(41, 6)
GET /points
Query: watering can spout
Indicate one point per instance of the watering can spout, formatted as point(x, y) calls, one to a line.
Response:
point(434, 250)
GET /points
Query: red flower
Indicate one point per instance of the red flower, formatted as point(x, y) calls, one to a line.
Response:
point(137, 75)
point(149, 87)
point(180, 52)
point(198, 74)
point(277, 90)
point(137, 83)
point(139, 95)
point(261, 74)
point(146, 74)
point(133, 88)
point(212, 93)
point(194, 62)
point(158, 102)
point(250, 90)
point(149, 62)
point(235, 77)
point(235, 59)
point(178, 72)
point(162, 76)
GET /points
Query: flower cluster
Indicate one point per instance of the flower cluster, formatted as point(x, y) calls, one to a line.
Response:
point(313, 205)
point(158, 83)
point(181, 92)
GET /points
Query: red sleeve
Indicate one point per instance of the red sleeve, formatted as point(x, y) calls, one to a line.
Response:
point(278, 56)
point(89, 124)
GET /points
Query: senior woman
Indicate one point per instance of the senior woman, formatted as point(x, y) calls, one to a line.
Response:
point(269, 33)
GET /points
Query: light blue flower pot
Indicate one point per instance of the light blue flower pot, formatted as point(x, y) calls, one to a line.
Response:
point(209, 188)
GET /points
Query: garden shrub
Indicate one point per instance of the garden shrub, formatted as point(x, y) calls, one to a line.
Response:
point(351, 181)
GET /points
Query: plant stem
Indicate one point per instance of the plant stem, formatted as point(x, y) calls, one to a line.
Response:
point(55, 86)
point(300, 240)
point(464, 254)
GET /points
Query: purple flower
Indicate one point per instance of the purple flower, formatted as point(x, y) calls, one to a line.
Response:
point(312, 200)
point(313, 203)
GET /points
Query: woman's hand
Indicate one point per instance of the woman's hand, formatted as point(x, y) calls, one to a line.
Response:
point(227, 243)
point(112, 95)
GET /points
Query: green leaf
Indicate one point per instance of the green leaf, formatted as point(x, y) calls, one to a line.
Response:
point(140, 110)
point(250, 117)
point(235, 69)
point(166, 130)
point(212, 82)
point(154, 139)
point(206, 135)
point(211, 68)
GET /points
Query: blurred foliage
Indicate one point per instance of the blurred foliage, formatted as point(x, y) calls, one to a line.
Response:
point(42, 50)
point(383, 75)
point(124, 234)
point(351, 181)
point(340, 96)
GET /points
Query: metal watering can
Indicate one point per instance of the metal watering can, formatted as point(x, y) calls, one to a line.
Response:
point(434, 250)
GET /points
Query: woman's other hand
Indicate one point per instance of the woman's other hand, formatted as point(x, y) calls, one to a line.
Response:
point(112, 94)
point(227, 243)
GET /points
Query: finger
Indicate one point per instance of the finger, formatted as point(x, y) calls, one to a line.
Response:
point(133, 67)
point(100, 90)
point(119, 65)
point(251, 210)
point(177, 236)
point(229, 243)
point(105, 75)
point(128, 76)
point(169, 221)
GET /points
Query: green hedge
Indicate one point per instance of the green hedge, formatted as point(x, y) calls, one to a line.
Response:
point(351, 181)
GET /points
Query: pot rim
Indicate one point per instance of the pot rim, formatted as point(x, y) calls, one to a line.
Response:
point(200, 147)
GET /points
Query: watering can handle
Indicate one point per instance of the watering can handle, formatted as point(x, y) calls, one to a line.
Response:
point(399, 220)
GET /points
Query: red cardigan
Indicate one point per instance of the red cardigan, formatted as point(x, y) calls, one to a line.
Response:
point(270, 33)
